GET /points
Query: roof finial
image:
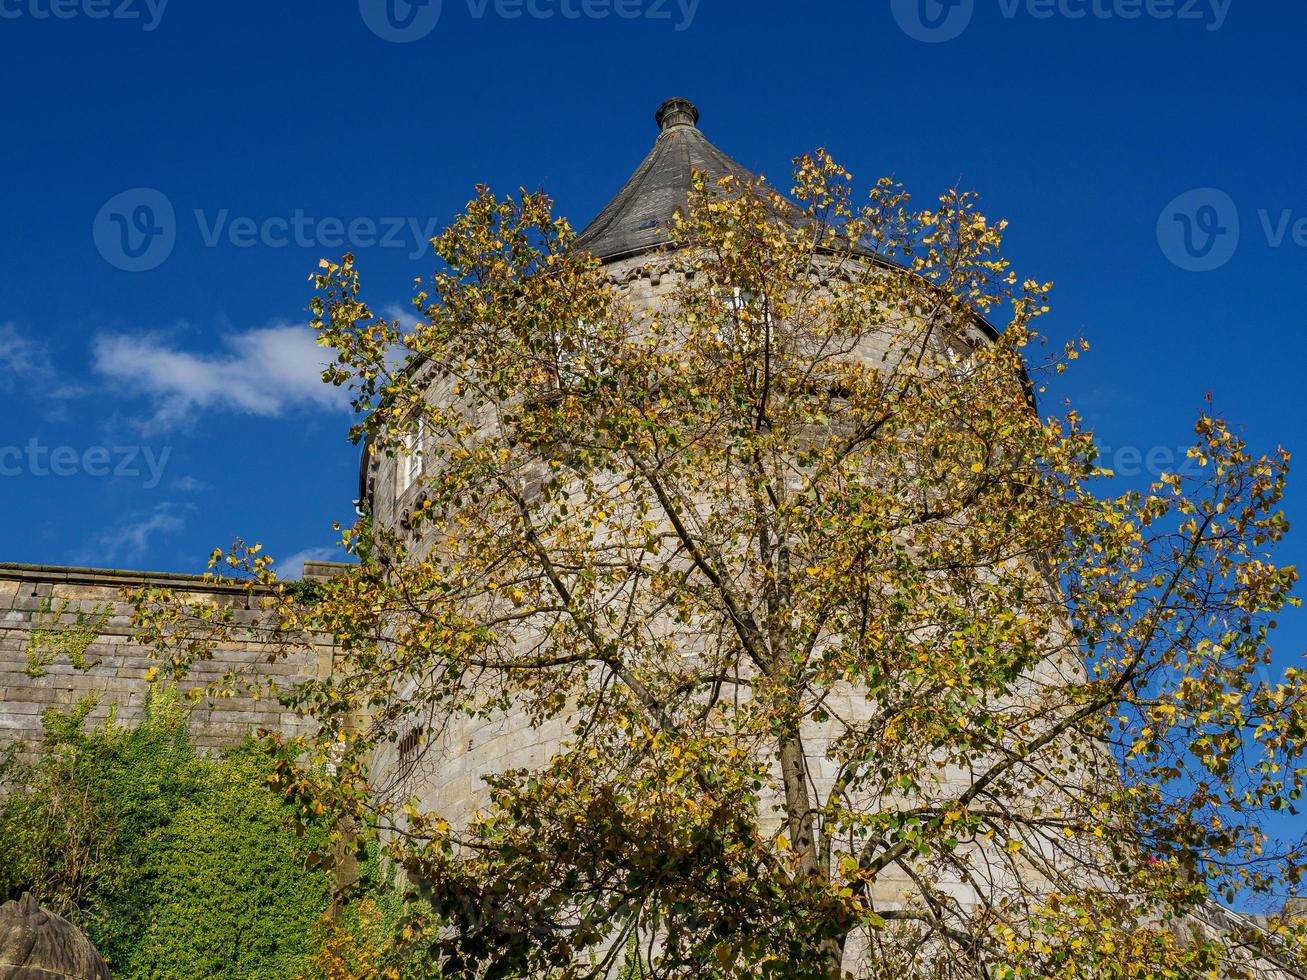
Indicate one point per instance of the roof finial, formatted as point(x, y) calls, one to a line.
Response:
point(676, 112)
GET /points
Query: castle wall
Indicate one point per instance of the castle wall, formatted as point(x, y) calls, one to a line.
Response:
point(114, 666)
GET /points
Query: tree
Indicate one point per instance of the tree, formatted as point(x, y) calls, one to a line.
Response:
point(860, 665)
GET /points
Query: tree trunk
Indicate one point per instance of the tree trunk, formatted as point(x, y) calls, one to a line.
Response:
point(801, 825)
point(798, 808)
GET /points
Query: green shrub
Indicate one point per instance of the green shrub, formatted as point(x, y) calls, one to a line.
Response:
point(231, 894)
point(175, 864)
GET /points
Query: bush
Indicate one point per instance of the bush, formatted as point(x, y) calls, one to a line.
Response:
point(176, 865)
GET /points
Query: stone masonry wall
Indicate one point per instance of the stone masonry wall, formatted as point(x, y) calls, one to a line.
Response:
point(115, 666)
point(443, 762)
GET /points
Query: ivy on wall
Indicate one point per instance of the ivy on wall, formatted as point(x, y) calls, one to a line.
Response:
point(53, 634)
point(175, 864)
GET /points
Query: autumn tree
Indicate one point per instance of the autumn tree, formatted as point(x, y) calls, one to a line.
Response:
point(861, 663)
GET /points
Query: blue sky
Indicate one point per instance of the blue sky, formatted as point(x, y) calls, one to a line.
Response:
point(181, 379)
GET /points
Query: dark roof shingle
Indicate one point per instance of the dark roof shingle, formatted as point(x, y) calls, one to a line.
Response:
point(637, 219)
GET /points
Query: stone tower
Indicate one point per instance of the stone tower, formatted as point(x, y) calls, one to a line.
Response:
point(442, 761)
point(630, 237)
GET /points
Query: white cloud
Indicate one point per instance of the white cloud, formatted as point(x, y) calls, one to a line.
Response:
point(188, 484)
point(406, 315)
point(268, 371)
point(131, 538)
point(26, 365)
point(19, 356)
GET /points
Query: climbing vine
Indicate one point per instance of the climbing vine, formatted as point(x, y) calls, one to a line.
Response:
point(52, 636)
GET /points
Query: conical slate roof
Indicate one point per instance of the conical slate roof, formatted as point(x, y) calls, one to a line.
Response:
point(637, 219)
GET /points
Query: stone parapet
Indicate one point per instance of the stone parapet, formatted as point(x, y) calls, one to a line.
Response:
point(36, 675)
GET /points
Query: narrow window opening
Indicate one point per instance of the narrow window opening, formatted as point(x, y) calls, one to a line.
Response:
point(411, 461)
point(408, 750)
point(740, 327)
point(584, 358)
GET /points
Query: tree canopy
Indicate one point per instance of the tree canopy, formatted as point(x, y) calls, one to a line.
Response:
point(862, 662)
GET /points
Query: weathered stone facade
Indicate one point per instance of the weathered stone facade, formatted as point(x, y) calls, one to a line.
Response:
point(442, 762)
point(34, 676)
